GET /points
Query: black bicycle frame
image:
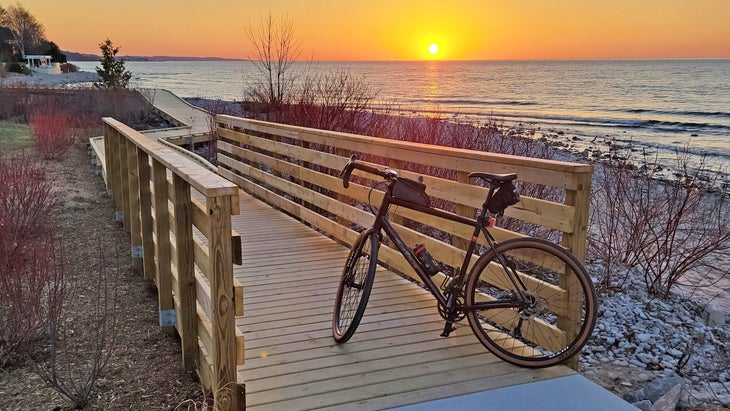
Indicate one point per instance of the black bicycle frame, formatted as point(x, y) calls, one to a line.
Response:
point(383, 223)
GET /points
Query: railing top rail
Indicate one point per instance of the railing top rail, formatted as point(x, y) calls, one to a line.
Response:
point(200, 178)
point(295, 131)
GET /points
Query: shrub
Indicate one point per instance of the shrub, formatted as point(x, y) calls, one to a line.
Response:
point(68, 68)
point(16, 67)
point(80, 348)
point(667, 228)
point(52, 133)
point(26, 254)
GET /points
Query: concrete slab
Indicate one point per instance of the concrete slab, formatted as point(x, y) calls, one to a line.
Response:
point(570, 393)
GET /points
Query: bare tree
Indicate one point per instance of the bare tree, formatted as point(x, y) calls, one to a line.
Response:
point(25, 28)
point(275, 49)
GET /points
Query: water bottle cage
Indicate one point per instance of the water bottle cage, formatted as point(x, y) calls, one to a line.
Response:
point(429, 265)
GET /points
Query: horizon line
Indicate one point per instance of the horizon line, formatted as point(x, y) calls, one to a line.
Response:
point(163, 58)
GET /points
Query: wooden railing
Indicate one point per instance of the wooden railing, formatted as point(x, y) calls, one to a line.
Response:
point(295, 169)
point(178, 214)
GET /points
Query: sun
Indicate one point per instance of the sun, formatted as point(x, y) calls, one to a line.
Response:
point(433, 49)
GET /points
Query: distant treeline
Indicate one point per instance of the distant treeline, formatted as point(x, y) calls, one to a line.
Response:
point(73, 56)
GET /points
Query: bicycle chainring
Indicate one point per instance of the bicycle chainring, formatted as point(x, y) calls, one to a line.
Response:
point(458, 314)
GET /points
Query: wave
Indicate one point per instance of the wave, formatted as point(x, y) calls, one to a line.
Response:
point(720, 114)
point(669, 149)
point(587, 121)
point(455, 101)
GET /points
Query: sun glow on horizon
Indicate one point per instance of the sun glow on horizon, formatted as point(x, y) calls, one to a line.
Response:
point(403, 30)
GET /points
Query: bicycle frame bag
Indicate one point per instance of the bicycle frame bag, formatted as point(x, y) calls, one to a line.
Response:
point(411, 191)
point(505, 196)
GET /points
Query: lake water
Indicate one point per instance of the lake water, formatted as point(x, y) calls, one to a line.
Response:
point(657, 105)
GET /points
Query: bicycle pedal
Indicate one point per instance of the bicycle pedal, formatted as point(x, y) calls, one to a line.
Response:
point(447, 330)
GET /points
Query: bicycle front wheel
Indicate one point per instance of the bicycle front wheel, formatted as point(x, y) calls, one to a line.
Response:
point(538, 312)
point(355, 285)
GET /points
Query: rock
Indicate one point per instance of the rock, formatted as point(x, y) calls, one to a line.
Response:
point(643, 337)
point(668, 401)
point(646, 358)
point(715, 393)
point(643, 405)
point(675, 352)
point(715, 317)
point(654, 390)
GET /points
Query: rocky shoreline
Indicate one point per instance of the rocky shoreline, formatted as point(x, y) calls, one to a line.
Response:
point(643, 347)
point(47, 80)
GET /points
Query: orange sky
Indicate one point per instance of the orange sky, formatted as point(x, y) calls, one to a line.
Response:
point(398, 29)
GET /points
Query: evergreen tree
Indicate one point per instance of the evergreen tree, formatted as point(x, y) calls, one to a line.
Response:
point(112, 71)
point(51, 49)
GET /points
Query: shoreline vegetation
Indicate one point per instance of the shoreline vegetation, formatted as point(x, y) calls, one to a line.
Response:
point(650, 332)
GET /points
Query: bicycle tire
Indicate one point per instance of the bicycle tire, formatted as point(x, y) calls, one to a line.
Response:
point(355, 284)
point(559, 318)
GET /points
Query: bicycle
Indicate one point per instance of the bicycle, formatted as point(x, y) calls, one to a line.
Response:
point(527, 300)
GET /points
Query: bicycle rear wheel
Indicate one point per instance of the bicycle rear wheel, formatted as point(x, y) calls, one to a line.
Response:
point(355, 285)
point(551, 324)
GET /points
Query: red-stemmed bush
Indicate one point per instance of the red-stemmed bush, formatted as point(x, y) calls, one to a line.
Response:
point(26, 255)
point(53, 133)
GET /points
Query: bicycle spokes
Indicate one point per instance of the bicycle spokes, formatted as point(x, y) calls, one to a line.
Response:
point(530, 304)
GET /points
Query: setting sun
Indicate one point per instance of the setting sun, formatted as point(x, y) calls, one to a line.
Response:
point(433, 49)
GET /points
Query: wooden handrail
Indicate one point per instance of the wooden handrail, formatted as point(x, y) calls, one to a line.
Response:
point(195, 283)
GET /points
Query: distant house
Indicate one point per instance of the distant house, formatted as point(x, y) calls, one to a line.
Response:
point(42, 64)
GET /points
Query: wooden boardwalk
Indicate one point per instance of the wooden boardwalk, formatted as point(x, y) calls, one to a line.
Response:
point(396, 357)
point(194, 121)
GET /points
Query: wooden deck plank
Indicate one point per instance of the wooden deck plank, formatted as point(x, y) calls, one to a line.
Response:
point(381, 383)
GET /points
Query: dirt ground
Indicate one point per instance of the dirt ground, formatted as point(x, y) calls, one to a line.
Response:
point(145, 369)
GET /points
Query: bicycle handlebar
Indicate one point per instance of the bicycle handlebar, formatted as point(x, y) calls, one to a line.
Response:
point(353, 164)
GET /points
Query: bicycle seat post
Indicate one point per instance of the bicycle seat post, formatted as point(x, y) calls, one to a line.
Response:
point(483, 214)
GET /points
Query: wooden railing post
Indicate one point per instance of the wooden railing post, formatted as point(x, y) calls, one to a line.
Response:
point(580, 198)
point(145, 208)
point(187, 319)
point(222, 306)
point(162, 248)
point(111, 148)
point(124, 176)
point(135, 224)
